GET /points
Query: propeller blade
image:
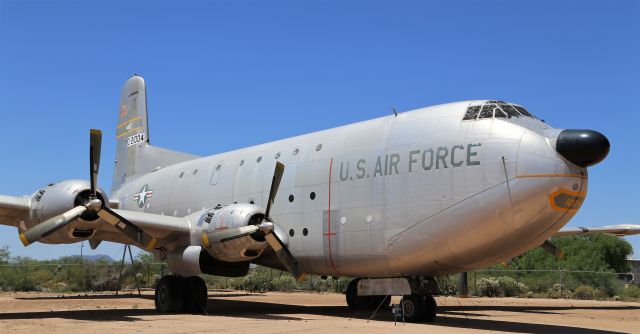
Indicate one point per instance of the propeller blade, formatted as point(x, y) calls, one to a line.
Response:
point(51, 225)
point(275, 184)
point(285, 257)
point(95, 144)
point(209, 238)
point(133, 232)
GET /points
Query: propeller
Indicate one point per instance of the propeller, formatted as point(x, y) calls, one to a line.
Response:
point(93, 204)
point(267, 228)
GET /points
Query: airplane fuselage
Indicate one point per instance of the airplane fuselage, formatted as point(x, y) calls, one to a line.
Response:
point(423, 193)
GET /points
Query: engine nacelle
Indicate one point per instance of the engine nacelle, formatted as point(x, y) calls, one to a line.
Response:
point(232, 216)
point(195, 260)
point(235, 216)
point(58, 198)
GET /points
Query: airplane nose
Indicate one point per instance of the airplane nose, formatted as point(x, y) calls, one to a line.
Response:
point(582, 147)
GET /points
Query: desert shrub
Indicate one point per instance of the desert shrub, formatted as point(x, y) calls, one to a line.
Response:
point(631, 292)
point(488, 287)
point(559, 291)
point(284, 283)
point(26, 285)
point(510, 287)
point(583, 292)
point(447, 285)
point(257, 283)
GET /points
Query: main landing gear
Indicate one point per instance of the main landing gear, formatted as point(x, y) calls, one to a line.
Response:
point(181, 294)
point(419, 306)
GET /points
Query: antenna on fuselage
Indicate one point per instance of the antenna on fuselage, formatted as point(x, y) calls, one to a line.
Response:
point(394, 111)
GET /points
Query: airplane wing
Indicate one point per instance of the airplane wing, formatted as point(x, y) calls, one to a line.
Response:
point(166, 231)
point(13, 210)
point(617, 230)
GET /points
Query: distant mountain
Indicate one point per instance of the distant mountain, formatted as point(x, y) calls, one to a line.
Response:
point(95, 257)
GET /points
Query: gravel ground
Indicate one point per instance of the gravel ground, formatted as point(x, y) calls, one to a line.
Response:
point(240, 312)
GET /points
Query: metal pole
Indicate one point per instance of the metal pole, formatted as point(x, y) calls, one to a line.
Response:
point(517, 282)
point(124, 253)
point(133, 270)
point(463, 290)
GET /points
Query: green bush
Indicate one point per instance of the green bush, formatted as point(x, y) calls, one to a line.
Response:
point(257, 283)
point(583, 292)
point(285, 283)
point(447, 285)
point(510, 287)
point(488, 287)
point(631, 292)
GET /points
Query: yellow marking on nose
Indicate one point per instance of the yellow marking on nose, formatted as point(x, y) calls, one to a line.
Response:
point(24, 240)
point(551, 175)
point(127, 122)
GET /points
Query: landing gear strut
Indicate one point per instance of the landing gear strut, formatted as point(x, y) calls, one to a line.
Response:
point(180, 294)
point(419, 306)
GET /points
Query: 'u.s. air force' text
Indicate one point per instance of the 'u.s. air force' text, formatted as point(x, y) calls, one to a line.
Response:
point(427, 159)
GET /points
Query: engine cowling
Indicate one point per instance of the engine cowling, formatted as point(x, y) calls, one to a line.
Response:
point(235, 217)
point(58, 198)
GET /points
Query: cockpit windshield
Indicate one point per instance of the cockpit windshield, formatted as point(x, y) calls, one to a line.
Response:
point(495, 109)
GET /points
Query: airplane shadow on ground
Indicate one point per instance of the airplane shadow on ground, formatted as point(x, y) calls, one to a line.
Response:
point(220, 306)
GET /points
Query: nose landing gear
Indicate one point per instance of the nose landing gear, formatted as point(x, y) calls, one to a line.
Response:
point(181, 294)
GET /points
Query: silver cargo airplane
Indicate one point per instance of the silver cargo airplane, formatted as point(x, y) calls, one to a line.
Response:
point(393, 201)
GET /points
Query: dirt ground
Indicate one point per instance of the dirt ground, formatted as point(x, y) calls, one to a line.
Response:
point(240, 312)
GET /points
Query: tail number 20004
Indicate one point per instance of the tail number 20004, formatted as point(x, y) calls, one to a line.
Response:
point(135, 139)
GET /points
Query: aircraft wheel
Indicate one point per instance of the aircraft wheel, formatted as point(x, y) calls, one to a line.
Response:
point(353, 300)
point(167, 295)
point(195, 294)
point(413, 307)
point(430, 308)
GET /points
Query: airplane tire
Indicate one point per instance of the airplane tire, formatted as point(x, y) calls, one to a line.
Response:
point(353, 300)
point(167, 295)
point(430, 308)
point(195, 295)
point(413, 307)
point(364, 302)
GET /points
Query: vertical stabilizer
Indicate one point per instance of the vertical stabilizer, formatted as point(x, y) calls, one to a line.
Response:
point(134, 155)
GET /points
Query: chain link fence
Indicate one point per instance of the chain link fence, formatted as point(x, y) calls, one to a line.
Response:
point(81, 277)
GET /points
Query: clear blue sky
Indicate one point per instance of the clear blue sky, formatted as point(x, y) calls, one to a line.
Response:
point(228, 74)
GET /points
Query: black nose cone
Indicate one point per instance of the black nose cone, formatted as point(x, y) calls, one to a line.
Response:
point(583, 147)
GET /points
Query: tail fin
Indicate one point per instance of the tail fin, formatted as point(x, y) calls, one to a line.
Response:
point(134, 155)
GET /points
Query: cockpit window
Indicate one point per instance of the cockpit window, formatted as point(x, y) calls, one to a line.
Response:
point(487, 111)
point(495, 108)
point(472, 112)
point(523, 111)
point(510, 110)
